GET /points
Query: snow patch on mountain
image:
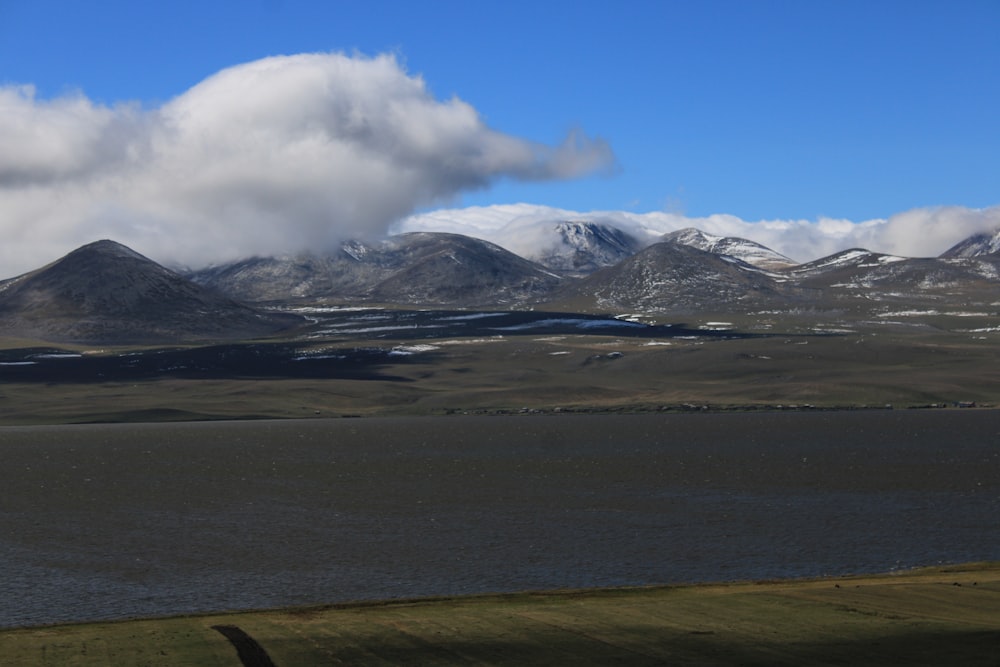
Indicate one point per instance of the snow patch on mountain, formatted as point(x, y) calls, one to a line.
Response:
point(751, 252)
point(851, 258)
point(986, 243)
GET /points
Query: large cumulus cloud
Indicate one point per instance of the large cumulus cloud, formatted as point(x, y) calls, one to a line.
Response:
point(277, 155)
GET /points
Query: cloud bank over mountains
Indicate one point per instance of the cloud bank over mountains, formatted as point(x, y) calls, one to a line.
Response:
point(296, 153)
point(921, 232)
point(278, 155)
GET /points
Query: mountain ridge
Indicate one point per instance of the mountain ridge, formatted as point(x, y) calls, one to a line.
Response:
point(104, 291)
point(417, 267)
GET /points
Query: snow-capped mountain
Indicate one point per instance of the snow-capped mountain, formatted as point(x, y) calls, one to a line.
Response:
point(347, 271)
point(676, 277)
point(923, 232)
point(687, 270)
point(580, 247)
point(874, 277)
point(850, 259)
point(987, 243)
point(748, 251)
point(415, 268)
point(429, 268)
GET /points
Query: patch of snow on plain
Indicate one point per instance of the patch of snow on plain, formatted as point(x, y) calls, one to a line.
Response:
point(311, 357)
point(470, 316)
point(912, 313)
point(859, 285)
point(472, 341)
point(408, 350)
point(390, 328)
point(582, 324)
point(330, 309)
point(908, 313)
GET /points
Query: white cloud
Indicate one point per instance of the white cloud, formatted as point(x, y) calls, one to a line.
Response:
point(61, 140)
point(930, 231)
point(277, 155)
point(297, 152)
point(922, 232)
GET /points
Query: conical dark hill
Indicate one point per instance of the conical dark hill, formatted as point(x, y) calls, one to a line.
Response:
point(105, 292)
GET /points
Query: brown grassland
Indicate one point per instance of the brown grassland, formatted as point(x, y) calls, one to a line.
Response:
point(939, 616)
point(573, 372)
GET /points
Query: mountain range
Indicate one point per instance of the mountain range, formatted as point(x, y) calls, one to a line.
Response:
point(594, 267)
point(105, 292)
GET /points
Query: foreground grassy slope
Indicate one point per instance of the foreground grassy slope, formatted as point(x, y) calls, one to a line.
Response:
point(944, 616)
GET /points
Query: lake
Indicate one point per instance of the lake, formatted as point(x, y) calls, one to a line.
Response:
point(113, 521)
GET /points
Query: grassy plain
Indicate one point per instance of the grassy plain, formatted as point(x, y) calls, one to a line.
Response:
point(939, 616)
point(901, 367)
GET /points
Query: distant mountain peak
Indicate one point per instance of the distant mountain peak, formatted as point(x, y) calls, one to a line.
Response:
point(751, 252)
point(580, 247)
point(984, 243)
point(850, 258)
point(111, 249)
point(107, 292)
point(107, 245)
point(693, 236)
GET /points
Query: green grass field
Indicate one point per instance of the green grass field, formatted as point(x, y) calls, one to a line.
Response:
point(940, 616)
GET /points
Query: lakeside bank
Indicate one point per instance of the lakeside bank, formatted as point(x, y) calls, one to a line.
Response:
point(933, 616)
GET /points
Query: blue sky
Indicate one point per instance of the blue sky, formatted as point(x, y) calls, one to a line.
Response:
point(764, 110)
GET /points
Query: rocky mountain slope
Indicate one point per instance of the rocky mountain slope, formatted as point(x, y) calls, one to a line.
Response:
point(977, 245)
point(677, 277)
point(105, 292)
point(418, 268)
point(691, 272)
point(858, 274)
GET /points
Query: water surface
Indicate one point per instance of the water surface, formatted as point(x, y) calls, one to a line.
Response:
point(111, 521)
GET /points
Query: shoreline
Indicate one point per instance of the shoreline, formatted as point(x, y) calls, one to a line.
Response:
point(931, 615)
point(167, 417)
point(956, 573)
